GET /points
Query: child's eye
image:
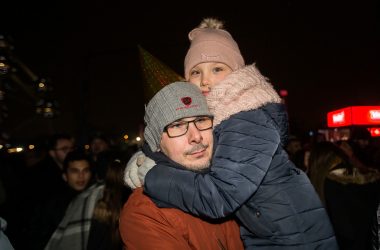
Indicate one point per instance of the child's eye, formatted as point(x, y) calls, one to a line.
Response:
point(218, 69)
point(194, 72)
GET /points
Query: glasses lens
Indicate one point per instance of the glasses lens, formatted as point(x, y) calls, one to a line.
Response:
point(177, 129)
point(203, 123)
point(180, 128)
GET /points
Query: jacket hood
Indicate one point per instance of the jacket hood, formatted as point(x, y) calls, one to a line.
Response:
point(242, 90)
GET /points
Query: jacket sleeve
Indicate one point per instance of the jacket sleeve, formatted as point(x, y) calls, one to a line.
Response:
point(246, 144)
point(143, 226)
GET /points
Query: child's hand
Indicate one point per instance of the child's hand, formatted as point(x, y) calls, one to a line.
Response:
point(137, 167)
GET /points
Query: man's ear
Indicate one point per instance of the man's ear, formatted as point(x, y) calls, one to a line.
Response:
point(64, 177)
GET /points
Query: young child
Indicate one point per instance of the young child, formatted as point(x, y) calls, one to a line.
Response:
point(251, 176)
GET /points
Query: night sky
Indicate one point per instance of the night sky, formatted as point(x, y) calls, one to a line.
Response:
point(325, 53)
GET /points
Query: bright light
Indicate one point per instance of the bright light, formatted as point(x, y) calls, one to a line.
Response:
point(15, 150)
point(374, 131)
point(138, 138)
point(87, 147)
point(31, 146)
point(283, 93)
point(126, 137)
point(1, 146)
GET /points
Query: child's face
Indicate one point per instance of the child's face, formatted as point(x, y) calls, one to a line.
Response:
point(205, 75)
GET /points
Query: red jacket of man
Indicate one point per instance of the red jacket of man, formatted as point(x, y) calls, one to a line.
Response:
point(145, 226)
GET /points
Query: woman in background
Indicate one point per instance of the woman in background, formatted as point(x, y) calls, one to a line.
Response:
point(351, 197)
point(104, 232)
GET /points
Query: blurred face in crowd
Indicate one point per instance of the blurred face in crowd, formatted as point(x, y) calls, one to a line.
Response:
point(205, 75)
point(189, 142)
point(98, 145)
point(78, 174)
point(62, 148)
point(293, 147)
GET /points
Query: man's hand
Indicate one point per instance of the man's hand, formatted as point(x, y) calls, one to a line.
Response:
point(137, 167)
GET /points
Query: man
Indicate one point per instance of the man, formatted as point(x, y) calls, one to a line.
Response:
point(179, 125)
point(73, 229)
point(77, 170)
point(60, 145)
point(101, 152)
point(98, 143)
point(46, 177)
point(77, 176)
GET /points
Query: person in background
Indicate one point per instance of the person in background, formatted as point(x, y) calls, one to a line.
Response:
point(77, 174)
point(46, 177)
point(98, 143)
point(293, 146)
point(5, 244)
point(73, 230)
point(104, 232)
point(362, 150)
point(298, 154)
point(100, 151)
point(91, 220)
point(36, 186)
point(251, 176)
point(77, 170)
point(351, 197)
point(179, 126)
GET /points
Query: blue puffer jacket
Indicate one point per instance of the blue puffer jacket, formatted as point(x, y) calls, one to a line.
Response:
point(251, 175)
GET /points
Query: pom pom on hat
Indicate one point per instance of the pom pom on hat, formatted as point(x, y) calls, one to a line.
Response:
point(211, 43)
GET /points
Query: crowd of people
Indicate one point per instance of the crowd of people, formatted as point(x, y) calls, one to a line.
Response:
point(218, 170)
point(69, 188)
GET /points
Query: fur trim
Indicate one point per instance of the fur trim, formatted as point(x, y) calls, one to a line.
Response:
point(342, 176)
point(242, 90)
point(211, 23)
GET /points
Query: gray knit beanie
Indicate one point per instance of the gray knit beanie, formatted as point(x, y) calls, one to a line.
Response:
point(173, 102)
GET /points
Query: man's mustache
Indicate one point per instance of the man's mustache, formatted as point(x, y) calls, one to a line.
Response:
point(196, 148)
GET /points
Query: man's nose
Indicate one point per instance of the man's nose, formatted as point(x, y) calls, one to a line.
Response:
point(194, 135)
point(81, 174)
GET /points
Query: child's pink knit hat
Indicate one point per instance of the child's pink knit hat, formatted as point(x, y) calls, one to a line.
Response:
point(211, 43)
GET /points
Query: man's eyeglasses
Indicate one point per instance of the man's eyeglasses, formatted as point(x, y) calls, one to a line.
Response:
point(180, 128)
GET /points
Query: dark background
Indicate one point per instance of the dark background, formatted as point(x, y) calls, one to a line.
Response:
point(325, 53)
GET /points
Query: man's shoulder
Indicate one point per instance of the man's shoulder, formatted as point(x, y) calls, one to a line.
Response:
point(138, 198)
point(141, 205)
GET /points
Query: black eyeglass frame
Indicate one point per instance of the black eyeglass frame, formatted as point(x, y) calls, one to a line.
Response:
point(187, 125)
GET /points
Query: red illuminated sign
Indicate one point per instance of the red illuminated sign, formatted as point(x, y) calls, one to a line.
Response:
point(374, 131)
point(355, 115)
